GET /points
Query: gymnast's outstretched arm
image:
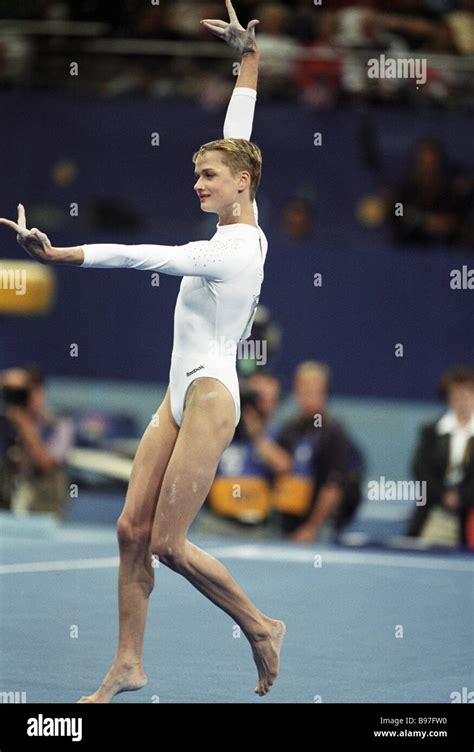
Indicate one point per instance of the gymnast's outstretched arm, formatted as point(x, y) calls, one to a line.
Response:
point(214, 259)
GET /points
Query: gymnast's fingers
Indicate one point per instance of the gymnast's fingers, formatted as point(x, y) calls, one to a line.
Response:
point(21, 216)
point(12, 224)
point(231, 12)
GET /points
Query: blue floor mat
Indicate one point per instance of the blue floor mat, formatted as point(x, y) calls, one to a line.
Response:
point(362, 626)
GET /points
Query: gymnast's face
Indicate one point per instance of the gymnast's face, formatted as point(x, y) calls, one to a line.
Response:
point(217, 188)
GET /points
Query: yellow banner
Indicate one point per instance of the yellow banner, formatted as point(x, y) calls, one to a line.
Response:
point(246, 499)
point(26, 288)
point(292, 494)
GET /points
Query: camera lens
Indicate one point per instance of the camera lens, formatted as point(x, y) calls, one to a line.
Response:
point(15, 396)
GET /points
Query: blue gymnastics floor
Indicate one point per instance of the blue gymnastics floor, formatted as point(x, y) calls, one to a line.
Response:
point(342, 619)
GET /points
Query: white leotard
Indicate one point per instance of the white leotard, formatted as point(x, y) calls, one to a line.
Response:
point(220, 289)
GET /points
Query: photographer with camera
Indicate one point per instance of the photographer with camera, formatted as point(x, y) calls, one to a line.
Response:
point(34, 444)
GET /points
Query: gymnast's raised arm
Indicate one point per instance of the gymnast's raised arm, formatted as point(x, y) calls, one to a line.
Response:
point(240, 112)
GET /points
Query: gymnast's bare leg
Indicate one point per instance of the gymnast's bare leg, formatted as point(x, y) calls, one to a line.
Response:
point(136, 572)
point(207, 429)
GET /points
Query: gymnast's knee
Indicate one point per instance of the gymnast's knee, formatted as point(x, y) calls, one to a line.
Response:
point(170, 552)
point(130, 535)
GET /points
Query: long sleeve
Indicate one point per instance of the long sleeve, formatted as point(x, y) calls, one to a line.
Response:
point(239, 118)
point(215, 259)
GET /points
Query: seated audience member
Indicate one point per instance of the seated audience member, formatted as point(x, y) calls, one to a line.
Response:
point(435, 198)
point(444, 458)
point(323, 484)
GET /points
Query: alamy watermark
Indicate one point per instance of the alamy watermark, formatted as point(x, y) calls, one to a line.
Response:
point(397, 490)
point(44, 726)
point(461, 279)
point(12, 697)
point(401, 67)
point(13, 279)
point(246, 349)
point(464, 696)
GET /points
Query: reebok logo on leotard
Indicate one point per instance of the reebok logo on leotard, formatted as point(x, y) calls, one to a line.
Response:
point(189, 373)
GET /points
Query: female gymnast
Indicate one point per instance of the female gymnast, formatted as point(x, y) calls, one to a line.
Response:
point(177, 458)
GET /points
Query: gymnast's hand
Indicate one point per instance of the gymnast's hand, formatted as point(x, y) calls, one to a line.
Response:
point(35, 242)
point(240, 39)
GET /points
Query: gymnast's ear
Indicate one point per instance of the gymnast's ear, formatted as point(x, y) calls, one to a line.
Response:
point(245, 180)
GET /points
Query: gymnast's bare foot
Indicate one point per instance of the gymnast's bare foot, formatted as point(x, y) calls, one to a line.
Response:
point(121, 678)
point(266, 653)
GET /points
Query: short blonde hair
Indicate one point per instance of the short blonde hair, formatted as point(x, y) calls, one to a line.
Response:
point(238, 154)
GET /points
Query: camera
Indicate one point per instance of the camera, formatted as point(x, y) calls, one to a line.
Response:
point(10, 397)
point(15, 396)
point(248, 397)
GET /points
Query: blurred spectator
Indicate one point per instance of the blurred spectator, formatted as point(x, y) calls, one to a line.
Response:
point(297, 219)
point(361, 28)
point(323, 484)
point(240, 497)
point(153, 22)
point(301, 25)
point(15, 55)
point(421, 34)
point(35, 443)
point(444, 458)
point(318, 69)
point(435, 199)
point(186, 15)
point(54, 10)
point(277, 48)
point(461, 25)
